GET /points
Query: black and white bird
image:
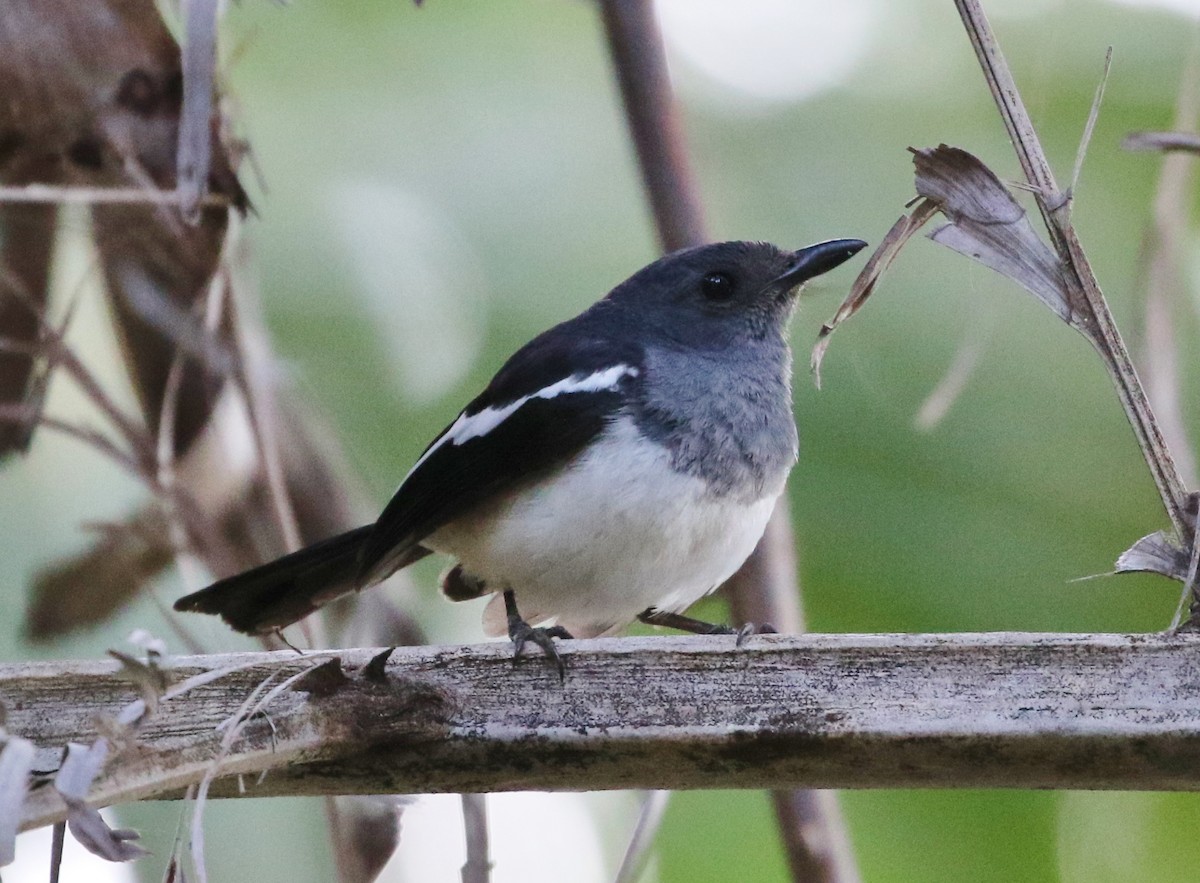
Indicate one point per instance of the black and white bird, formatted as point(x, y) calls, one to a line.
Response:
point(620, 465)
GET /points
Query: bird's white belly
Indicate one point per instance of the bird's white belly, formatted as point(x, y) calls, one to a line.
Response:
point(614, 533)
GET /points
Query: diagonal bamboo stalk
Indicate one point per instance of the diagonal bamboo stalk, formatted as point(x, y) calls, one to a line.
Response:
point(1054, 206)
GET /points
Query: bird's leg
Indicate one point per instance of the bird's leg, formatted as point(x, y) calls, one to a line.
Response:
point(521, 632)
point(650, 616)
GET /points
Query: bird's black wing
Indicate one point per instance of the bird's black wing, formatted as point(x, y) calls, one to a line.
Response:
point(553, 397)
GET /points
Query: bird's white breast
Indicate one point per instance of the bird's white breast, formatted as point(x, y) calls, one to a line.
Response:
point(615, 532)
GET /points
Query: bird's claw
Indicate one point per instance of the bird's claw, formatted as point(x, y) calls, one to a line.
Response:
point(751, 629)
point(522, 633)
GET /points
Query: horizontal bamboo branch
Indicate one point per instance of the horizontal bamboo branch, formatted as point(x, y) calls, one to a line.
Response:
point(824, 711)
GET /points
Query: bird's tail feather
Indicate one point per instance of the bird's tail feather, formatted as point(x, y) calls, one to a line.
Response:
point(279, 593)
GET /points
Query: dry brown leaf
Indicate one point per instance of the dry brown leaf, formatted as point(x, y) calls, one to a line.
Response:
point(869, 278)
point(989, 226)
point(87, 588)
point(1155, 553)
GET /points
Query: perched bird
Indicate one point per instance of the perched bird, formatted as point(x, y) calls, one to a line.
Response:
point(620, 465)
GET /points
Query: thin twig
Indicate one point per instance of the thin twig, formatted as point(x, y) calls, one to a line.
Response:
point(61, 354)
point(54, 195)
point(1162, 279)
point(1054, 207)
point(1090, 126)
point(234, 726)
point(23, 414)
point(260, 411)
point(232, 731)
point(193, 156)
point(173, 870)
point(58, 352)
point(188, 507)
point(165, 455)
point(251, 375)
point(58, 840)
point(1189, 585)
point(1167, 142)
point(637, 853)
point(962, 367)
point(478, 868)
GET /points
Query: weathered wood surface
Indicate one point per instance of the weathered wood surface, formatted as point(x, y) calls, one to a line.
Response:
point(825, 711)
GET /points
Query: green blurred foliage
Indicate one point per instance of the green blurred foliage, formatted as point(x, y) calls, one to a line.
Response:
point(499, 122)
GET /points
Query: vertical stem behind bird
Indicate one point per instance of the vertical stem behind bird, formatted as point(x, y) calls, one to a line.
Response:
point(766, 589)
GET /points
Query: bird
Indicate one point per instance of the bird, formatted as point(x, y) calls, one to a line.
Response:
point(619, 466)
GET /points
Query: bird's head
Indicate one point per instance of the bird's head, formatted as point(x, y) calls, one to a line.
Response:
point(714, 294)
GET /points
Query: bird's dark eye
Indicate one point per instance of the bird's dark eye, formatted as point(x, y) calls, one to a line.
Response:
point(717, 286)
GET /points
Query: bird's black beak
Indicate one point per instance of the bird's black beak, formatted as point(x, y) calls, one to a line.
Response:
point(817, 259)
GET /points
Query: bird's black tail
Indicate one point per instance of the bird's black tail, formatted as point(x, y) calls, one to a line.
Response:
point(285, 590)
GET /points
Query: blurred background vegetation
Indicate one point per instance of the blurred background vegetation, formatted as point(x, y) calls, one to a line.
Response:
point(444, 182)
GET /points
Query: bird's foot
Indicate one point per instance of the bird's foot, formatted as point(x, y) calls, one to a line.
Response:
point(523, 633)
point(700, 627)
point(751, 629)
